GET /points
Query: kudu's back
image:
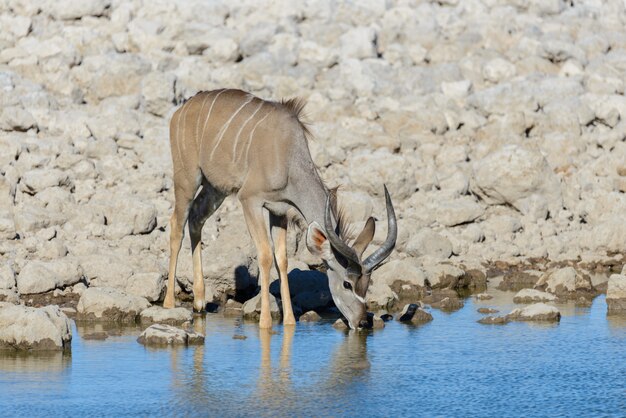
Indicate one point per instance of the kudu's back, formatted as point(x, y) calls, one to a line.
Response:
point(233, 138)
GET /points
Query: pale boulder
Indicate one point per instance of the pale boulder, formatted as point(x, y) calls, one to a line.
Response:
point(616, 294)
point(148, 285)
point(109, 305)
point(43, 276)
point(159, 315)
point(166, 335)
point(26, 328)
point(535, 312)
point(521, 177)
point(532, 296)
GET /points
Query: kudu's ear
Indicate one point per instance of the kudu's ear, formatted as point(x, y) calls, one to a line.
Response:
point(365, 237)
point(316, 241)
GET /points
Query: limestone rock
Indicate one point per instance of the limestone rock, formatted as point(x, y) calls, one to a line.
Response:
point(70, 10)
point(341, 324)
point(165, 335)
point(566, 282)
point(519, 280)
point(428, 242)
point(310, 316)
point(109, 305)
point(535, 312)
point(148, 285)
point(157, 93)
point(25, 328)
point(520, 177)
point(616, 294)
point(252, 308)
point(159, 315)
point(532, 296)
point(232, 308)
point(43, 276)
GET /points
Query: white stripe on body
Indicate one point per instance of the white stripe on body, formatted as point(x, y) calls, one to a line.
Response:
point(252, 134)
point(208, 116)
point(227, 125)
point(243, 126)
point(198, 119)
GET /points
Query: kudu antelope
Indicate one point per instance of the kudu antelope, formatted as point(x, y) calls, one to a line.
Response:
point(228, 141)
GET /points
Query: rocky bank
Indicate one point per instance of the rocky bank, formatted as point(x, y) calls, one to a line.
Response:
point(498, 126)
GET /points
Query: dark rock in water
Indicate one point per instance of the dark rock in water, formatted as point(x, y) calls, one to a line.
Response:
point(407, 312)
point(487, 310)
point(386, 317)
point(494, 320)
point(374, 321)
point(341, 324)
point(101, 335)
point(518, 280)
point(310, 316)
point(483, 296)
point(415, 314)
point(239, 337)
point(162, 335)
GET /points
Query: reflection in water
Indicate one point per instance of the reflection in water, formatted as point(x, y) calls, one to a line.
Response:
point(47, 362)
point(575, 367)
point(272, 385)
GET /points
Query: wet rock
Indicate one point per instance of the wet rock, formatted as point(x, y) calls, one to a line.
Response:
point(341, 324)
point(148, 285)
point(239, 337)
point(98, 336)
point(616, 294)
point(414, 313)
point(377, 322)
point(232, 308)
point(519, 280)
point(310, 316)
point(494, 320)
point(159, 315)
point(404, 277)
point(43, 276)
point(25, 328)
point(566, 283)
point(444, 275)
point(487, 310)
point(165, 335)
point(535, 312)
point(111, 305)
point(435, 298)
point(252, 308)
point(483, 296)
point(532, 296)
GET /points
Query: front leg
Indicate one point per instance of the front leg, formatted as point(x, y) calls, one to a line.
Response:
point(278, 227)
point(253, 213)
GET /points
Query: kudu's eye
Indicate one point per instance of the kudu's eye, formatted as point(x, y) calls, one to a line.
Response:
point(347, 285)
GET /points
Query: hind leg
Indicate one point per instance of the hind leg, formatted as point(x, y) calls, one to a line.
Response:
point(183, 197)
point(203, 206)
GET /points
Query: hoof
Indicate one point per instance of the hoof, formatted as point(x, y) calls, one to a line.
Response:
point(265, 323)
point(198, 307)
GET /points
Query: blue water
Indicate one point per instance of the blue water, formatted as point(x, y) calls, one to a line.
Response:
point(452, 366)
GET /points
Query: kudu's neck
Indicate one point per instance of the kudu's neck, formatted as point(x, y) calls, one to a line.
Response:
point(309, 195)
